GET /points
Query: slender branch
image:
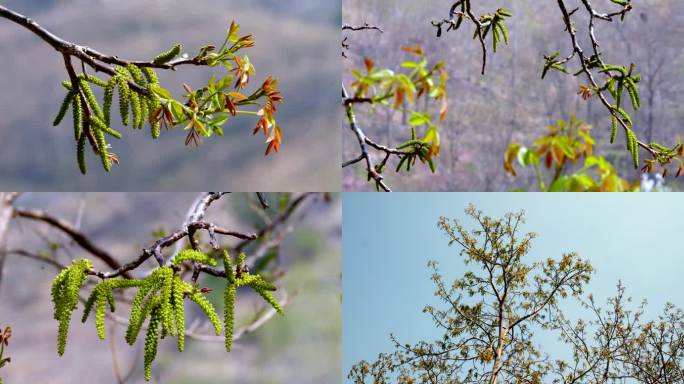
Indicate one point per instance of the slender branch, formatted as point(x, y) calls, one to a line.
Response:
point(361, 137)
point(78, 237)
point(90, 56)
point(364, 27)
point(30, 255)
point(278, 220)
point(356, 28)
point(579, 52)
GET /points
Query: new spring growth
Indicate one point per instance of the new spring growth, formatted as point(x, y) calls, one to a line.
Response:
point(141, 99)
point(160, 298)
point(461, 10)
point(619, 79)
point(236, 278)
point(103, 295)
point(400, 90)
point(64, 292)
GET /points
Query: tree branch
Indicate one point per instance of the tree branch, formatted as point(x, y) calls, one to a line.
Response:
point(89, 55)
point(78, 237)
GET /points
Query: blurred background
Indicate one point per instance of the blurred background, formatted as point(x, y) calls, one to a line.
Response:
point(296, 41)
point(301, 347)
point(511, 102)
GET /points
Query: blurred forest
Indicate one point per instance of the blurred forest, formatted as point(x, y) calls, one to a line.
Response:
point(301, 347)
point(294, 43)
point(511, 103)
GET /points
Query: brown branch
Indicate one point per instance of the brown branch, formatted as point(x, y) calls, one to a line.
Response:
point(278, 220)
point(364, 27)
point(453, 25)
point(88, 55)
point(78, 237)
point(579, 52)
point(356, 28)
point(362, 140)
point(31, 255)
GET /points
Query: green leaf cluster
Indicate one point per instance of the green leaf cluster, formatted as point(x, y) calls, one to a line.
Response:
point(565, 145)
point(400, 90)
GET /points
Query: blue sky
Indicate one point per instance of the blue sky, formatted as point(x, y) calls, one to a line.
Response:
point(389, 238)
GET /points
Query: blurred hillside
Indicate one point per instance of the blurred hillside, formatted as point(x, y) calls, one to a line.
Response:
point(301, 347)
point(511, 102)
point(297, 42)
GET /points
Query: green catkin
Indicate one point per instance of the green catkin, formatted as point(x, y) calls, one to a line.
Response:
point(155, 126)
point(104, 291)
point(635, 151)
point(618, 93)
point(102, 148)
point(625, 116)
point(124, 97)
point(90, 98)
point(260, 283)
point(179, 308)
point(208, 310)
point(228, 267)
point(150, 75)
point(155, 129)
point(165, 309)
point(89, 305)
point(269, 299)
point(193, 255)
point(64, 291)
point(111, 301)
point(107, 101)
point(140, 307)
point(633, 93)
point(136, 74)
point(135, 108)
point(63, 108)
point(229, 296)
point(80, 154)
point(95, 80)
point(504, 32)
point(148, 307)
point(613, 132)
point(77, 110)
point(67, 85)
point(262, 287)
point(56, 289)
point(144, 110)
point(100, 307)
point(167, 56)
point(99, 125)
point(136, 309)
point(151, 342)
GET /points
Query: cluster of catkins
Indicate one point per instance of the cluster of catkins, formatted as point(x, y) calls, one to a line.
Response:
point(160, 298)
point(141, 106)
